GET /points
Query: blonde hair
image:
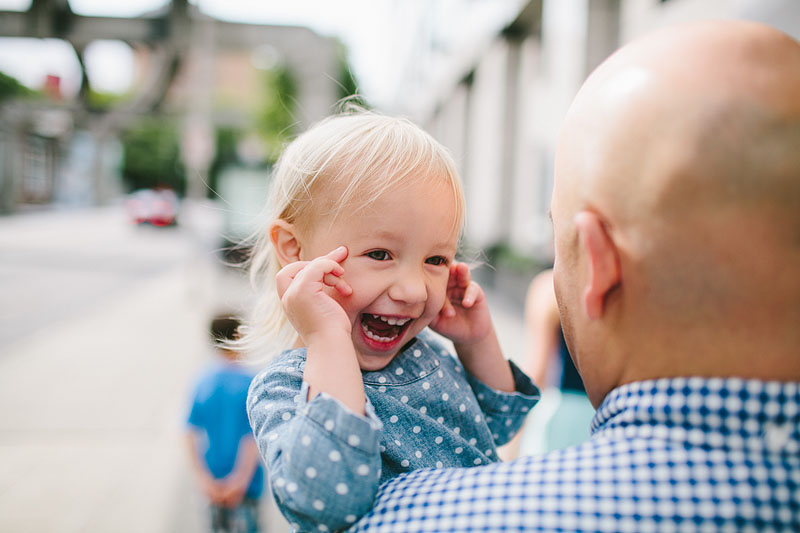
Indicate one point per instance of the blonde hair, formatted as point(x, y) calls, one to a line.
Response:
point(358, 156)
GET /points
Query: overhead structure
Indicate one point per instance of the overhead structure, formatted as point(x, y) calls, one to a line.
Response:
point(170, 33)
point(180, 44)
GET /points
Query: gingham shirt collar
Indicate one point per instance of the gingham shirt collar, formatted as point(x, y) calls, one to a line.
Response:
point(705, 412)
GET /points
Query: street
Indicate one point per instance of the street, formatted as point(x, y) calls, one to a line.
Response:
point(102, 328)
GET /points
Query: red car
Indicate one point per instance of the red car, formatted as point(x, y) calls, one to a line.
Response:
point(157, 207)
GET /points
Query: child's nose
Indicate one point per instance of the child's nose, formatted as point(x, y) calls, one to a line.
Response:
point(409, 287)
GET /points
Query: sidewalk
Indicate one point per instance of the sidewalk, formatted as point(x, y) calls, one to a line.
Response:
point(90, 422)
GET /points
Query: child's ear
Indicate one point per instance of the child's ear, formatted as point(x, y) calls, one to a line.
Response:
point(284, 239)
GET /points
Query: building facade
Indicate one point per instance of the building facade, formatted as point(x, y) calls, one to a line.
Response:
point(500, 105)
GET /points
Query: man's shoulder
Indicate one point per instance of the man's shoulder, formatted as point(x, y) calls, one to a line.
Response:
point(581, 475)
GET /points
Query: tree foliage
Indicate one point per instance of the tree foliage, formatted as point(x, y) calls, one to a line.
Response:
point(11, 88)
point(275, 121)
point(347, 82)
point(152, 156)
point(104, 101)
point(225, 155)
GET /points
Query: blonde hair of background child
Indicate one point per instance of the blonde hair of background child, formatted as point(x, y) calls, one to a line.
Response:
point(357, 155)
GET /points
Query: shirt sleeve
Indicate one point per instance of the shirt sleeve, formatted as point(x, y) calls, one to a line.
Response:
point(505, 412)
point(323, 459)
point(194, 417)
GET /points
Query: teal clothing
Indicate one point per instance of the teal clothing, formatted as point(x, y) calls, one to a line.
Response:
point(219, 411)
point(564, 414)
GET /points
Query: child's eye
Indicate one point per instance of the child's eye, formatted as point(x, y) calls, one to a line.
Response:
point(437, 260)
point(378, 255)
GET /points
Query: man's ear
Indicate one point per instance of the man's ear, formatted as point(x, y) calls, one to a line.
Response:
point(283, 236)
point(602, 261)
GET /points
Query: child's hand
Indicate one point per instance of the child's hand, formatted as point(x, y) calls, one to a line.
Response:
point(308, 306)
point(464, 318)
point(213, 489)
point(233, 491)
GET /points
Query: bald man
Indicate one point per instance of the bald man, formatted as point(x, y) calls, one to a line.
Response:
point(676, 214)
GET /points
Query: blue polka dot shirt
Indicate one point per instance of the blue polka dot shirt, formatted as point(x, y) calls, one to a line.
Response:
point(424, 410)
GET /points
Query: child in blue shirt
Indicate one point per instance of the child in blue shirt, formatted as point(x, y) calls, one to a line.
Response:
point(222, 451)
point(359, 249)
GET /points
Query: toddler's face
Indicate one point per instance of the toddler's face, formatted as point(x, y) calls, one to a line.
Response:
point(400, 251)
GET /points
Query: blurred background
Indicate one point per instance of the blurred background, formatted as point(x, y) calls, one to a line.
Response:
point(136, 142)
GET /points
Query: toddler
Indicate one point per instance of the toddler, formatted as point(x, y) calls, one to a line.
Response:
point(223, 454)
point(366, 216)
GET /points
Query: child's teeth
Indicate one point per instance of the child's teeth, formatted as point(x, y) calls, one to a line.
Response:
point(391, 320)
point(374, 337)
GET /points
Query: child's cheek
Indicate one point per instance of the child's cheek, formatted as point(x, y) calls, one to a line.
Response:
point(441, 297)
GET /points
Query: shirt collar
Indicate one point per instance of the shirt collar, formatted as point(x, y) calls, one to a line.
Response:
point(706, 411)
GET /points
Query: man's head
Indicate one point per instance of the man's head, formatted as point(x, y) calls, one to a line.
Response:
point(676, 209)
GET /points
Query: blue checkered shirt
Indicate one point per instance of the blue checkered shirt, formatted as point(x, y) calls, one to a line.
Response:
point(694, 455)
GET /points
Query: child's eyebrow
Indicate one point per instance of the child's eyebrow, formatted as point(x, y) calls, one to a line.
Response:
point(448, 248)
point(383, 234)
point(395, 236)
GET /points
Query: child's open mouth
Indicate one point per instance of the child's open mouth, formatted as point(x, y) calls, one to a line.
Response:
point(383, 329)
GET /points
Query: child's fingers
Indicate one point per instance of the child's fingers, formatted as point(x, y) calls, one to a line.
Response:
point(472, 294)
point(459, 275)
point(285, 276)
point(319, 269)
point(452, 281)
point(448, 311)
point(326, 269)
point(332, 280)
point(339, 254)
point(329, 266)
